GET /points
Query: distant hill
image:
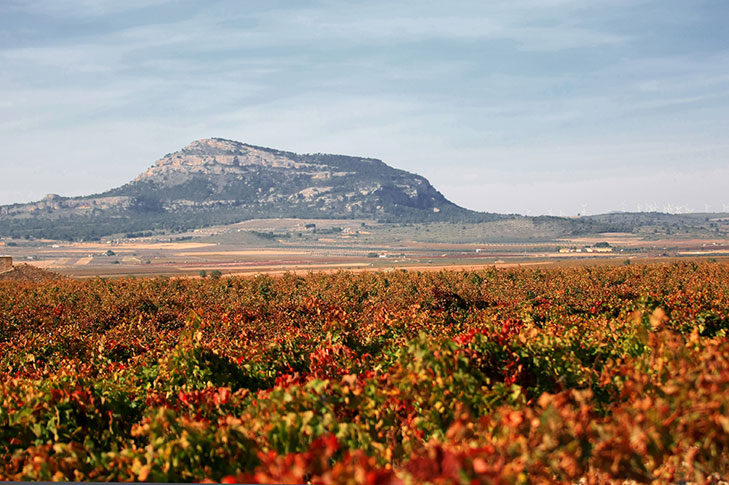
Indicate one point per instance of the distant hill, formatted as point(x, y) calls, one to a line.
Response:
point(217, 181)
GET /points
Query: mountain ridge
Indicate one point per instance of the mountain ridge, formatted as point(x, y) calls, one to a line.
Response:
point(215, 180)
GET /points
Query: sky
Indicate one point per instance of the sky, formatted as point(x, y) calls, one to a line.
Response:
point(557, 107)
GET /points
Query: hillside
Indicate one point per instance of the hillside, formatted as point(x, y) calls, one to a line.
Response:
point(214, 182)
point(217, 181)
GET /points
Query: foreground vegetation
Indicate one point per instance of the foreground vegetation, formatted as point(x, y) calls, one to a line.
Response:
point(509, 376)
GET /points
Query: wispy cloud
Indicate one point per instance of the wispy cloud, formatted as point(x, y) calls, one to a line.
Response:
point(83, 8)
point(542, 87)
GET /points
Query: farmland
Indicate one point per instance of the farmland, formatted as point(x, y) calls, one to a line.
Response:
point(607, 373)
point(277, 246)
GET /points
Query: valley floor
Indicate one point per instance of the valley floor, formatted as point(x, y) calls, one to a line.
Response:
point(292, 245)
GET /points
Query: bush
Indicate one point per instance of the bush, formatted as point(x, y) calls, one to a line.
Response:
point(594, 374)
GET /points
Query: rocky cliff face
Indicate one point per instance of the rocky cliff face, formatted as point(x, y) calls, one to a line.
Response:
point(216, 172)
point(215, 181)
point(54, 206)
point(214, 157)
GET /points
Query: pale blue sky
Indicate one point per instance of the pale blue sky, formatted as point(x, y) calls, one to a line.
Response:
point(529, 106)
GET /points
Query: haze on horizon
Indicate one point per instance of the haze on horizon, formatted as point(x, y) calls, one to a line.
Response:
point(528, 106)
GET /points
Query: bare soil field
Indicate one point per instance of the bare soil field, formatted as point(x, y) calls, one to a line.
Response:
point(282, 245)
point(255, 252)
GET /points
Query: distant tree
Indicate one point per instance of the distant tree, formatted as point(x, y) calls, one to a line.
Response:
point(216, 274)
point(203, 273)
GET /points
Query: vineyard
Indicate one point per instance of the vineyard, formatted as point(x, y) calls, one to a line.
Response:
point(589, 375)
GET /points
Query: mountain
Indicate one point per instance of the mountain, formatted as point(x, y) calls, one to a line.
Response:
point(217, 181)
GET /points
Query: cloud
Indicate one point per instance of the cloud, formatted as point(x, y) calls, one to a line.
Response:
point(84, 8)
point(548, 26)
point(385, 22)
point(529, 88)
point(84, 58)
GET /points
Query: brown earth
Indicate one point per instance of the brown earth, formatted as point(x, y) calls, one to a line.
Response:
point(28, 273)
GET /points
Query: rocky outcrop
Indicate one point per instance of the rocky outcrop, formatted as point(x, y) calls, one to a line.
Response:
point(217, 181)
point(56, 206)
point(218, 172)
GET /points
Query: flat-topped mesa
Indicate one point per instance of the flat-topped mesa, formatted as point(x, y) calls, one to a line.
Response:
point(6, 264)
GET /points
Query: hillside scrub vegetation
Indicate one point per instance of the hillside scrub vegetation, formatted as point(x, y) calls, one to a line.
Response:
point(589, 375)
